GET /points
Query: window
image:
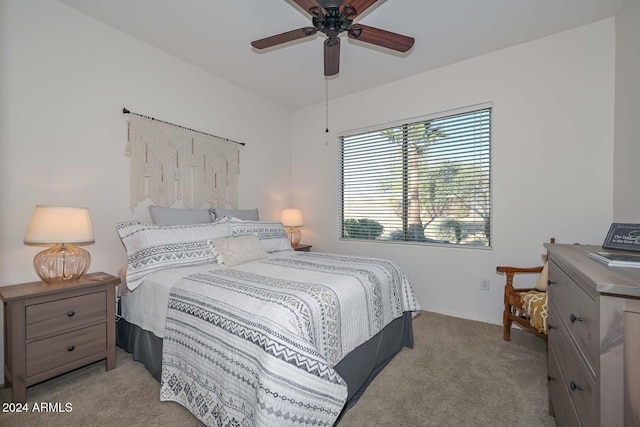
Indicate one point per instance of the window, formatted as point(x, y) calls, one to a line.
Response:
point(426, 181)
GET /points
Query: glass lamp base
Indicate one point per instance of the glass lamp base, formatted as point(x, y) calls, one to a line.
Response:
point(61, 262)
point(294, 235)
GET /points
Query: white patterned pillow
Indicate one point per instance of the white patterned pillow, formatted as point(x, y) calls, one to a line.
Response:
point(271, 234)
point(153, 247)
point(238, 250)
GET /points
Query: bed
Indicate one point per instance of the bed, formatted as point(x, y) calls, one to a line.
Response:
point(278, 338)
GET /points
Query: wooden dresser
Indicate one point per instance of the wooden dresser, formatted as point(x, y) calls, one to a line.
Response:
point(594, 339)
point(53, 329)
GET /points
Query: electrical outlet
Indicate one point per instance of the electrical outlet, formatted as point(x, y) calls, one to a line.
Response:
point(484, 284)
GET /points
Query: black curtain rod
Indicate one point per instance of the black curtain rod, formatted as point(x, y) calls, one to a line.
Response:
point(125, 111)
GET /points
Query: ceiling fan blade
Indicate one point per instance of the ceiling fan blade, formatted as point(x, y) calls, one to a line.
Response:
point(332, 56)
point(307, 4)
point(284, 37)
point(358, 5)
point(381, 37)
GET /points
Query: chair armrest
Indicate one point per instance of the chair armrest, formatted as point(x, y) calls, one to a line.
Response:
point(510, 273)
point(523, 290)
point(518, 270)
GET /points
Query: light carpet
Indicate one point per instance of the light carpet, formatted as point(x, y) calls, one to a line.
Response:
point(460, 372)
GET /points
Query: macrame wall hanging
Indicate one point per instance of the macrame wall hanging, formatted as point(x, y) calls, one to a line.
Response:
point(171, 163)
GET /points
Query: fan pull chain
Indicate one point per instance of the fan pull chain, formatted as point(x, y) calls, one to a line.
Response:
point(326, 104)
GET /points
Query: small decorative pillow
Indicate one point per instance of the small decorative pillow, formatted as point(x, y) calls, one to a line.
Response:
point(535, 305)
point(178, 216)
point(542, 285)
point(271, 234)
point(238, 250)
point(153, 247)
point(243, 214)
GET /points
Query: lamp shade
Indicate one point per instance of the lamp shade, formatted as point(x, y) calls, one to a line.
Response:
point(291, 217)
point(59, 224)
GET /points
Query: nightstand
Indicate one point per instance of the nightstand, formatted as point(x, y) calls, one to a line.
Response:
point(52, 329)
point(302, 248)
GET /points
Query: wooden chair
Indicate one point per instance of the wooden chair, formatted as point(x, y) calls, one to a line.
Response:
point(513, 311)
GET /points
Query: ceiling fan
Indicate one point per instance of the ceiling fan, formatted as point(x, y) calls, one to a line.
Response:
point(333, 17)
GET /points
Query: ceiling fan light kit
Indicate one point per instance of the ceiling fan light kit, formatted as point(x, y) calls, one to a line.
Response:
point(333, 17)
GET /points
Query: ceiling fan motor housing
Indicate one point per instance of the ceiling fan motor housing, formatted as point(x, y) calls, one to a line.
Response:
point(333, 22)
point(331, 4)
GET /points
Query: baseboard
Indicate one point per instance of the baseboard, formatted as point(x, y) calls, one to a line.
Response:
point(452, 314)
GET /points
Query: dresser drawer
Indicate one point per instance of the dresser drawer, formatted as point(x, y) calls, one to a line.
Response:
point(65, 314)
point(559, 398)
point(579, 312)
point(582, 388)
point(59, 350)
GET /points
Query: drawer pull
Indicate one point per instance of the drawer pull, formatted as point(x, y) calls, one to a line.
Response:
point(71, 313)
point(71, 348)
point(551, 326)
point(550, 378)
point(549, 282)
point(575, 386)
point(573, 318)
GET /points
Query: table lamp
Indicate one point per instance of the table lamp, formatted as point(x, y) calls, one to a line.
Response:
point(60, 226)
point(292, 219)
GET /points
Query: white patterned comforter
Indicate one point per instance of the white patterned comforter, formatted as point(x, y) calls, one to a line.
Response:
point(255, 344)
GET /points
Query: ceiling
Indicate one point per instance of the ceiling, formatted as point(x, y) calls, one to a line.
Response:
point(216, 34)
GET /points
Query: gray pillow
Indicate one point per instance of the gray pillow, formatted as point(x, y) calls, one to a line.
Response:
point(178, 216)
point(243, 214)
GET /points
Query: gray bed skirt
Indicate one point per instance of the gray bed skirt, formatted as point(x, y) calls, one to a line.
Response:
point(358, 368)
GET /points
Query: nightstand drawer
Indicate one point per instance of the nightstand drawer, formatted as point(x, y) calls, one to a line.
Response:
point(50, 353)
point(579, 312)
point(65, 314)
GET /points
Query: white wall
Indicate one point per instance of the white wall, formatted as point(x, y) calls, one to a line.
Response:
point(552, 157)
point(626, 175)
point(64, 79)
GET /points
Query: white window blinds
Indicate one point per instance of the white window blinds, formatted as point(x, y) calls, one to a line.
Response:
point(427, 181)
